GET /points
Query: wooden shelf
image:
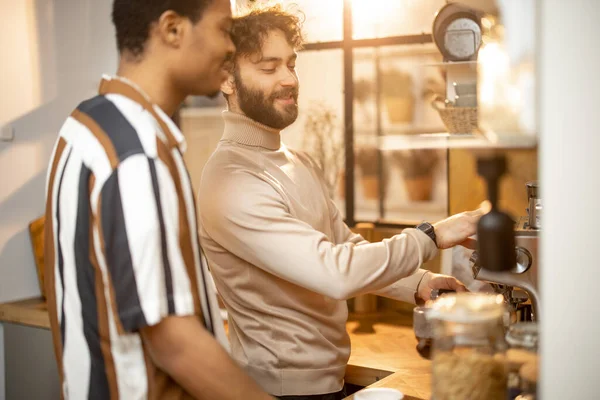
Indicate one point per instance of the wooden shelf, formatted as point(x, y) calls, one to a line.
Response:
point(444, 140)
point(30, 312)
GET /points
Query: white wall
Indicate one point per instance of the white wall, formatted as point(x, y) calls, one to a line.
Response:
point(53, 53)
point(21, 72)
point(570, 145)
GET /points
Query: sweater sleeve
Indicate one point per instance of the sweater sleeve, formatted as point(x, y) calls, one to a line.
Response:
point(341, 231)
point(250, 219)
point(404, 289)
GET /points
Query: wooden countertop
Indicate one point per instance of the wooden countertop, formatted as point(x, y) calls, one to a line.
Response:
point(383, 347)
point(413, 387)
point(384, 355)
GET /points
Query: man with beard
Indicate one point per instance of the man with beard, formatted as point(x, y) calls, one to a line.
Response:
point(282, 258)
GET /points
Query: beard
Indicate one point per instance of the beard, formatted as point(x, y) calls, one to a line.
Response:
point(261, 108)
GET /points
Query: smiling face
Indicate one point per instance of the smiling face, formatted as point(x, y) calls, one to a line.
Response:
point(264, 86)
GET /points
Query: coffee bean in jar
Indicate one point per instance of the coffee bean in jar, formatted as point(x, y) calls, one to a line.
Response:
point(468, 360)
point(468, 374)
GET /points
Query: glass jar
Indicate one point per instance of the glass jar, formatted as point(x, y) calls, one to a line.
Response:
point(423, 331)
point(469, 347)
point(522, 338)
point(528, 374)
point(422, 325)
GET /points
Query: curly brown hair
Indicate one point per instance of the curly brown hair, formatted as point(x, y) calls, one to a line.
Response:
point(250, 29)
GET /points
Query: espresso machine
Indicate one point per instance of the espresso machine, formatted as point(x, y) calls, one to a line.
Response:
point(519, 285)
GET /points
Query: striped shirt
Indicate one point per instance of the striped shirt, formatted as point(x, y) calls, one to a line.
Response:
point(122, 249)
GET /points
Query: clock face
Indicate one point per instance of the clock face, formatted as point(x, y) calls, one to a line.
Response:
point(462, 38)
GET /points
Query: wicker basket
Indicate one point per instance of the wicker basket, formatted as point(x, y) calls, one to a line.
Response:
point(457, 119)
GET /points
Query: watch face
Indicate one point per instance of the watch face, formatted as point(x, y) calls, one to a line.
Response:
point(425, 227)
point(462, 38)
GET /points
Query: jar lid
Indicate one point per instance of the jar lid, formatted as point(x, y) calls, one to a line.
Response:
point(468, 307)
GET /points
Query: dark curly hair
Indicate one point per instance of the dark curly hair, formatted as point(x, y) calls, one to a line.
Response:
point(250, 29)
point(133, 19)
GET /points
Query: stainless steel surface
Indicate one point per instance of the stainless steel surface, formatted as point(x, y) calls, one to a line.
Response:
point(457, 32)
point(524, 275)
point(535, 205)
point(532, 189)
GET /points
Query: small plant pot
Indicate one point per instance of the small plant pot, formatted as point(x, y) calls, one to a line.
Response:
point(419, 188)
point(370, 186)
point(400, 109)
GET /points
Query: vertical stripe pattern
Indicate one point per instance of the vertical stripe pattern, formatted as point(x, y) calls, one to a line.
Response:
point(121, 245)
point(185, 244)
point(86, 285)
point(50, 253)
point(60, 260)
point(103, 314)
point(118, 255)
point(163, 239)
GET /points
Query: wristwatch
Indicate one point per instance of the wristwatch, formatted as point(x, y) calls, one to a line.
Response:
point(428, 229)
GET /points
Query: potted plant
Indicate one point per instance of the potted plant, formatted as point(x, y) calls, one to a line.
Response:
point(417, 168)
point(397, 92)
point(366, 159)
point(323, 141)
point(364, 90)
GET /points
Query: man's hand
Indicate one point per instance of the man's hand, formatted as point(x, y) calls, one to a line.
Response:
point(432, 281)
point(457, 229)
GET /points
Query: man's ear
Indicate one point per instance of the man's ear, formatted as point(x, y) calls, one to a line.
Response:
point(228, 87)
point(170, 28)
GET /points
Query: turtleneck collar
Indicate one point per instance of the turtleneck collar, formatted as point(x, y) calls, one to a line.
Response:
point(243, 130)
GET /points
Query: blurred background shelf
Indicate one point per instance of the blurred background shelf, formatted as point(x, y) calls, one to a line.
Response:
point(444, 140)
point(405, 213)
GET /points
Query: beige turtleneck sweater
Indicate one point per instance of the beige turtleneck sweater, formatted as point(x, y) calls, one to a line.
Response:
point(284, 262)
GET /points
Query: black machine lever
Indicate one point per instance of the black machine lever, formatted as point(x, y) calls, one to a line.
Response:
point(495, 231)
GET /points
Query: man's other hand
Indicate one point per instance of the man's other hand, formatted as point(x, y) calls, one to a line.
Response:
point(457, 229)
point(432, 281)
